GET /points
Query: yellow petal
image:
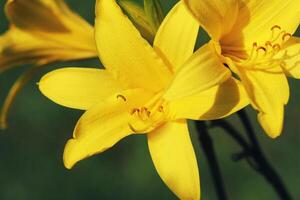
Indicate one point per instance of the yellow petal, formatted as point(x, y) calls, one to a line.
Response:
point(176, 37)
point(214, 103)
point(268, 93)
point(124, 52)
point(78, 88)
point(102, 126)
point(174, 159)
point(256, 19)
point(203, 70)
point(216, 16)
point(290, 56)
point(42, 32)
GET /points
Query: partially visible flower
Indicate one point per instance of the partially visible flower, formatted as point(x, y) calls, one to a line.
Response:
point(255, 38)
point(146, 19)
point(146, 89)
point(42, 32)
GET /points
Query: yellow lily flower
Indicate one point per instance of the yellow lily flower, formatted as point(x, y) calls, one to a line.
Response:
point(41, 32)
point(145, 89)
point(44, 31)
point(256, 42)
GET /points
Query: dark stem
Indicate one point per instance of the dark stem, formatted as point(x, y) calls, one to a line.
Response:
point(253, 153)
point(265, 167)
point(208, 149)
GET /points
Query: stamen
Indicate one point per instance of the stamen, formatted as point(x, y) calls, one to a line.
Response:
point(134, 111)
point(261, 48)
point(275, 27)
point(286, 37)
point(268, 43)
point(262, 56)
point(276, 47)
point(135, 130)
point(160, 109)
point(148, 116)
point(119, 96)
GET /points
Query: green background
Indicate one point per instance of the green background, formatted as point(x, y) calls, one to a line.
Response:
point(31, 166)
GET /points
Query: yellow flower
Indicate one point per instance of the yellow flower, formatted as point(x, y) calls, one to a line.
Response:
point(256, 41)
point(41, 32)
point(146, 89)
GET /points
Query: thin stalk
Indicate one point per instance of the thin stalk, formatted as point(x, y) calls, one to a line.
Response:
point(265, 168)
point(253, 153)
point(210, 154)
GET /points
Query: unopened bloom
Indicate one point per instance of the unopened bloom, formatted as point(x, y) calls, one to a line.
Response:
point(255, 38)
point(145, 89)
point(41, 32)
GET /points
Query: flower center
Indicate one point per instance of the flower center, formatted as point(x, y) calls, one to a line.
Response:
point(264, 56)
point(150, 116)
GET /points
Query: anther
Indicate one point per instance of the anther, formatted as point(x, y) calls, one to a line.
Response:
point(286, 36)
point(276, 47)
point(268, 43)
point(275, 27)
point(144, 109)
point(121, 97)
point(161, 109)
point(134, 111)
point(134, 129)
point(261, 48)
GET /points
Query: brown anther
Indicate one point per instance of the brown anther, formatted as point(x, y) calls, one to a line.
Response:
point(276, 47)
point(121, 97)
point(134, 111)
point(286, 35)
point(148, 113)
point(160, 109)
point(134, 129)
point(255, 44)
point(275, 26)
point(261, 48)
point(268, 43)
point(144, 109)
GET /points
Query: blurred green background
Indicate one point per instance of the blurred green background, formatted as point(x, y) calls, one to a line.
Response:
point(31, 150)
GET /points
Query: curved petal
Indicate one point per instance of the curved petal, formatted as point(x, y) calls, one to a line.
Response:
point(268, 93)
point(214, 103)
point(124, 52)
point(203, 70)
point(256, 19)
point(78, 88)
point(102, 126)
point(290, 56)
point(176, 37)
point(216, 16)
point(12, 94)
point(18, 47)
point(174, 158)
